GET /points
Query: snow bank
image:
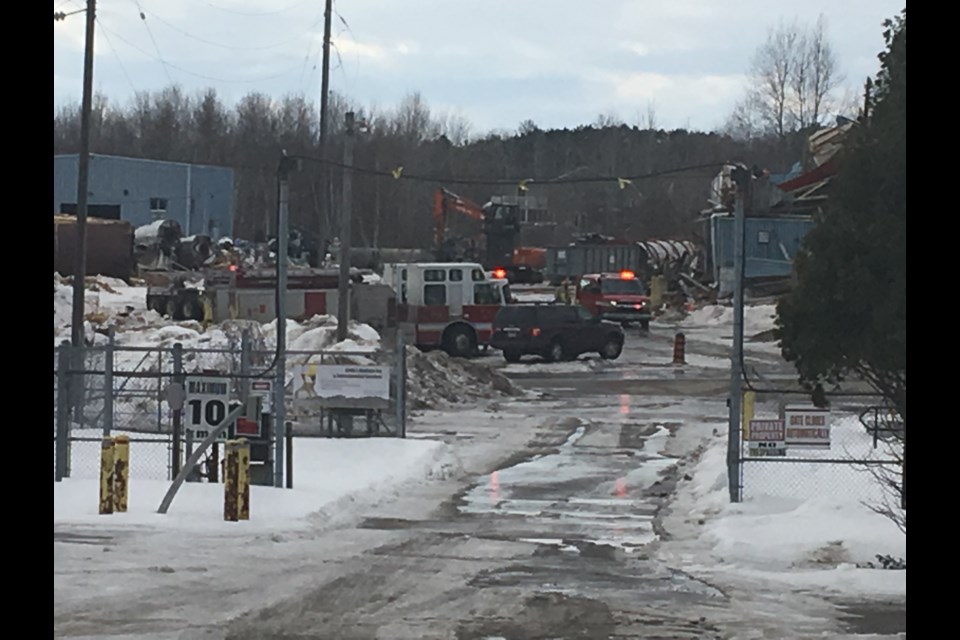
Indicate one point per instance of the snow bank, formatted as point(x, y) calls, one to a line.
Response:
point(793, 527)
point(435, 378)
point(756, 318)
point(332, 478)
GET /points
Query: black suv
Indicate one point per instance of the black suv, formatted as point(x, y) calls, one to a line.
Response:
point(555, 331)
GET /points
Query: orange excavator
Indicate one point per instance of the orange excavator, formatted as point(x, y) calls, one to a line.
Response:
point(497, 247)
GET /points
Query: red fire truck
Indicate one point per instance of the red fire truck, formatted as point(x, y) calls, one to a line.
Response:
point(450, 305)
point(619, 297)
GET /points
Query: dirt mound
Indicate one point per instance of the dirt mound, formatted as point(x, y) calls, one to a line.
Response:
point(435, 378)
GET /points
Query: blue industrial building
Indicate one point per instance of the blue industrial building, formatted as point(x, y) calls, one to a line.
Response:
point(770, 245)
point(198, 197)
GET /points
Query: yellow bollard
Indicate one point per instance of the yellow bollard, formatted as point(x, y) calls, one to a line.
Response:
point(106, 475)
point(749, 399)
point(243, 479)
point(230, 502)
point(121, 472)
point(658, 286)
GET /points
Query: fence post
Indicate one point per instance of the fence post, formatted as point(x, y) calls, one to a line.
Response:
point(121, 472)
point(108, 383)
point(401, 369)
point(289, 458)
point(177, 413)
point(243, 479)
point(107, 457)
point(230, 482)
point(63, 412)
point(245, 360)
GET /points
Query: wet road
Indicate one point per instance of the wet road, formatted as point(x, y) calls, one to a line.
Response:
point(556, 539)
point(553, 543)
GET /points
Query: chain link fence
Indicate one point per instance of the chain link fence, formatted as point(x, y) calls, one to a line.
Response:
point(112, 389)
point(864, 448)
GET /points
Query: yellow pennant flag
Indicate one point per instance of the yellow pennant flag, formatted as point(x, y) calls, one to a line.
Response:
point(623, 182)
point(397, 172)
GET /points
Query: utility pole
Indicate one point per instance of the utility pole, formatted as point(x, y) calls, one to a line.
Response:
point(324, 219)
point(343, 301)
point(742, 178)
point(279, 385)
point(83, 179)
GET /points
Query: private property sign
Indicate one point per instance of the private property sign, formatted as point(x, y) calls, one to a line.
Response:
point(767, 438)
point(807, 427)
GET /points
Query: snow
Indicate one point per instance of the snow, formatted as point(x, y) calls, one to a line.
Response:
point(804, 524)
point(756, 318)
point(332, 478)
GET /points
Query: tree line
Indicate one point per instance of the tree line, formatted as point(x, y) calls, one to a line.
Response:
point(793, 80)
point(250, 137)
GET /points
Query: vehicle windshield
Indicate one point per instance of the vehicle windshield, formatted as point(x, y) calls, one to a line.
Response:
point(617, 286)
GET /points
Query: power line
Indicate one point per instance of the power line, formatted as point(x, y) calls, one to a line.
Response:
point(143, 18)
point(255, 14)
point(235, 47)
point(194, 74)
point(116, 54)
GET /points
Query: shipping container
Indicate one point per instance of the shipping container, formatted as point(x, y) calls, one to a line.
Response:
point(109, 247)
point(574, 261)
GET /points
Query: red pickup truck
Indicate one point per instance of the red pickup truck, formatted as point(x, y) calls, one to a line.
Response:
point(620, 297)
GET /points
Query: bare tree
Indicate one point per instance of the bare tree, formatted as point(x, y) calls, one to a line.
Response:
point(651, 116)
point(773, 69)
point(823, 76)
point(793, 78)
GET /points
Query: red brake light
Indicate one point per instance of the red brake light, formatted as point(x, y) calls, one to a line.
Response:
point(499, 273)
point(535, 331)
point(627, 275)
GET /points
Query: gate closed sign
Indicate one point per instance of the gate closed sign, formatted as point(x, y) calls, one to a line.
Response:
point(807, 427)
point(208, 401)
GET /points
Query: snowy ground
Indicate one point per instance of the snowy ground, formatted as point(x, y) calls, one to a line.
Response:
point(804, 525)
point(332, 478)
point(502, 469)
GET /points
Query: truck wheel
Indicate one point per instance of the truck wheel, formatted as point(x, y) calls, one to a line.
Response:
point(511, 356)
point(612, 348)
point(460, 342)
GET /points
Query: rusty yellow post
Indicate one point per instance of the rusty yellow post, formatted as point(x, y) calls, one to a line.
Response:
point(749, 399)
point(243, 479)
point(106, 475)
point(658, 286)
point(121, 472)
point(230, 502)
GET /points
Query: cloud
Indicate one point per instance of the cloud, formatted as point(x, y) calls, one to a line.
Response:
point(347, 46)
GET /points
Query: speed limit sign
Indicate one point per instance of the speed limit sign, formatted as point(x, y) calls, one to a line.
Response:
point(208, 401)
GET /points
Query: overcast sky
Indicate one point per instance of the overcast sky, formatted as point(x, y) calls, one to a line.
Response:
point(496, 63)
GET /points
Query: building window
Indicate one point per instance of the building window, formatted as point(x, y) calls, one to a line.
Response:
point(158, 207)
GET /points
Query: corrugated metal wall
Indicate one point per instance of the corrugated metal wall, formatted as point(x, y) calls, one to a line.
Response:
point(770, 244)
point(131, 183)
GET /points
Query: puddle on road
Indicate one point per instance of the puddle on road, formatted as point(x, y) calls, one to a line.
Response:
point(587, 494)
